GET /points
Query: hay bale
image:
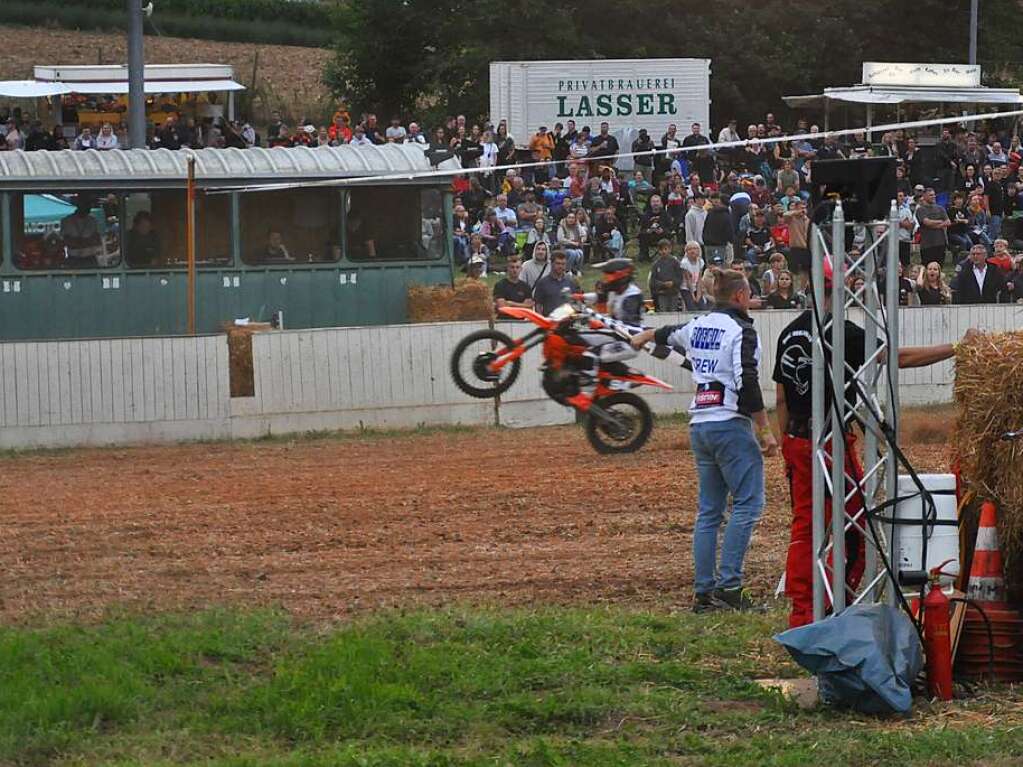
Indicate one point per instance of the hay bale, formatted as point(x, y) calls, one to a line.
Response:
point(239, 353)
point(468, 300)
point(989, 399)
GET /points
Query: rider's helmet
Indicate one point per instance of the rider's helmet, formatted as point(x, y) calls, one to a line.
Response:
point(617, 274)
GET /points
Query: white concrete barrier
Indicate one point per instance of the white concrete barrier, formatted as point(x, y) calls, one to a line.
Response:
point(65, 393)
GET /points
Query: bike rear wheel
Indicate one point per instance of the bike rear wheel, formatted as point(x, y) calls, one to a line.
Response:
point(627, 427)
point(471, 359)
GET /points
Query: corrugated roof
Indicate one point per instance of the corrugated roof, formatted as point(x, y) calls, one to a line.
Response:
point(902, 94)
point(212, 166)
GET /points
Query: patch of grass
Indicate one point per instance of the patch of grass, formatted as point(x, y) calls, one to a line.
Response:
point(552, 686)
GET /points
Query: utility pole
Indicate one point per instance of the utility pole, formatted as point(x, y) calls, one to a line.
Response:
point(136, 77)
point(973, 30)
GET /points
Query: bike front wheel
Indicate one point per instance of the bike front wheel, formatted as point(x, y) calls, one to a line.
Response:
point(623, 426)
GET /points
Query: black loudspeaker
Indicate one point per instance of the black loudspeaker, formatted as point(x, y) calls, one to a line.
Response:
point(866, 186)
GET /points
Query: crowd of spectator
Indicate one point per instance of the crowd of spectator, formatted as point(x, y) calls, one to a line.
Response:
point(684, 208)
point(680, 207)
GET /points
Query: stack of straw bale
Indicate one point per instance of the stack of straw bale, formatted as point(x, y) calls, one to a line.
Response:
point(468, 300)
point(989, 398)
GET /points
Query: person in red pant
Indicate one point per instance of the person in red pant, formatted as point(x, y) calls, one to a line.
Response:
point(792, 375)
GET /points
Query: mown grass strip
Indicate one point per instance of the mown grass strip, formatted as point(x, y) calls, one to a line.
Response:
point(553, 686)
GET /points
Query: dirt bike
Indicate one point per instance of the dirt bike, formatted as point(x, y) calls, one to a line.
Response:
point(486, 363)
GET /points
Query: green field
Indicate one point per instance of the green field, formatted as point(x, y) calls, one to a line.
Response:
point(552, 686)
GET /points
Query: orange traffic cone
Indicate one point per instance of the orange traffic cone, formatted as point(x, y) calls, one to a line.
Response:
point(987, 585)
point(992, 641)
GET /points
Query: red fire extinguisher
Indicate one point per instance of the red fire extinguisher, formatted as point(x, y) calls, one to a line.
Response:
point(937, 642)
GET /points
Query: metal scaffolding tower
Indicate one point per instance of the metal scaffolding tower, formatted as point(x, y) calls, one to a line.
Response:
point(840, 517)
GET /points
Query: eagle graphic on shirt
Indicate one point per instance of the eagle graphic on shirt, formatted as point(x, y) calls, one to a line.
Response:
point(797, 367)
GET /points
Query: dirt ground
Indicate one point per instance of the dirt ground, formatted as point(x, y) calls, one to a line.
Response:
point(329, 526)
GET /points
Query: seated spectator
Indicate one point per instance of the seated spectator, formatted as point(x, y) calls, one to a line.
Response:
point(359, 137)
point(476, 269)
point(142, 245)
point(759, 244)
point(81, 236)
point(495, 235)
point(537, 235)
point(511, 290)
point(787, 181)
point(461, 229)
point(106, 139)
point(1014, 284)
point(931, 288)
point(571, 240)
point(978, 222)
point(275, 248)
point(666, 278)
point(607, 234)
point(505, 213)
point(776, 265)
point(654, 225)
point(528, 212)
point(85, 140)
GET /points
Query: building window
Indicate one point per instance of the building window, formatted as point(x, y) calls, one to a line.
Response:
point(155, 230)
point(291, 226)
point(394, 223)
point(65, 231)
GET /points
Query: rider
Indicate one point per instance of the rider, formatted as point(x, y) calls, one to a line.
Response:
point(619, 296)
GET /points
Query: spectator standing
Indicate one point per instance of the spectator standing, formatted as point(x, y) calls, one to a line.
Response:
point(907, 225)
point(511, 290)
point(541, 149)
point(548, 291)
point(415, 135)
point(976, 281)
point(947, 161)
point(372, 129)
point(644, 163)
point(666, 278)
point(696, 216)
point(14, 138)
point(395, 133)
point(718, 232)
point(784, 295)
point(604, 146)
point(692, 262)
point(931, 288)
point(725, 353)
point(703, 160)
point(540, 263)
point(958, 229)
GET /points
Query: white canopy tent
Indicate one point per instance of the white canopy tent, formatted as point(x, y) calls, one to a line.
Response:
point(897, 84)
point(112, 79)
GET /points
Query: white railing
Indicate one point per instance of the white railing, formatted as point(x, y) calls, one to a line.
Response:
point(64, 393)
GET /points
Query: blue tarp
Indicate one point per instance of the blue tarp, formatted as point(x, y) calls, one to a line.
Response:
point(865, 658)
point(44, 212)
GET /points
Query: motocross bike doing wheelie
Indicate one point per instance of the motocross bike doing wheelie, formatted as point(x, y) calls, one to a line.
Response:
point(486, 363)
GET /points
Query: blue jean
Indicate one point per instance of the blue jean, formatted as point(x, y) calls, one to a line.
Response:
point(728, 460)
point(574, 259)
point(994, 227)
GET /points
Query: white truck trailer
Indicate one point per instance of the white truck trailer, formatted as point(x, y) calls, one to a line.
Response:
point(629, 94)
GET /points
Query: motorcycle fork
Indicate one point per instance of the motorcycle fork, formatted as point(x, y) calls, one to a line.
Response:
point(520, 347)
